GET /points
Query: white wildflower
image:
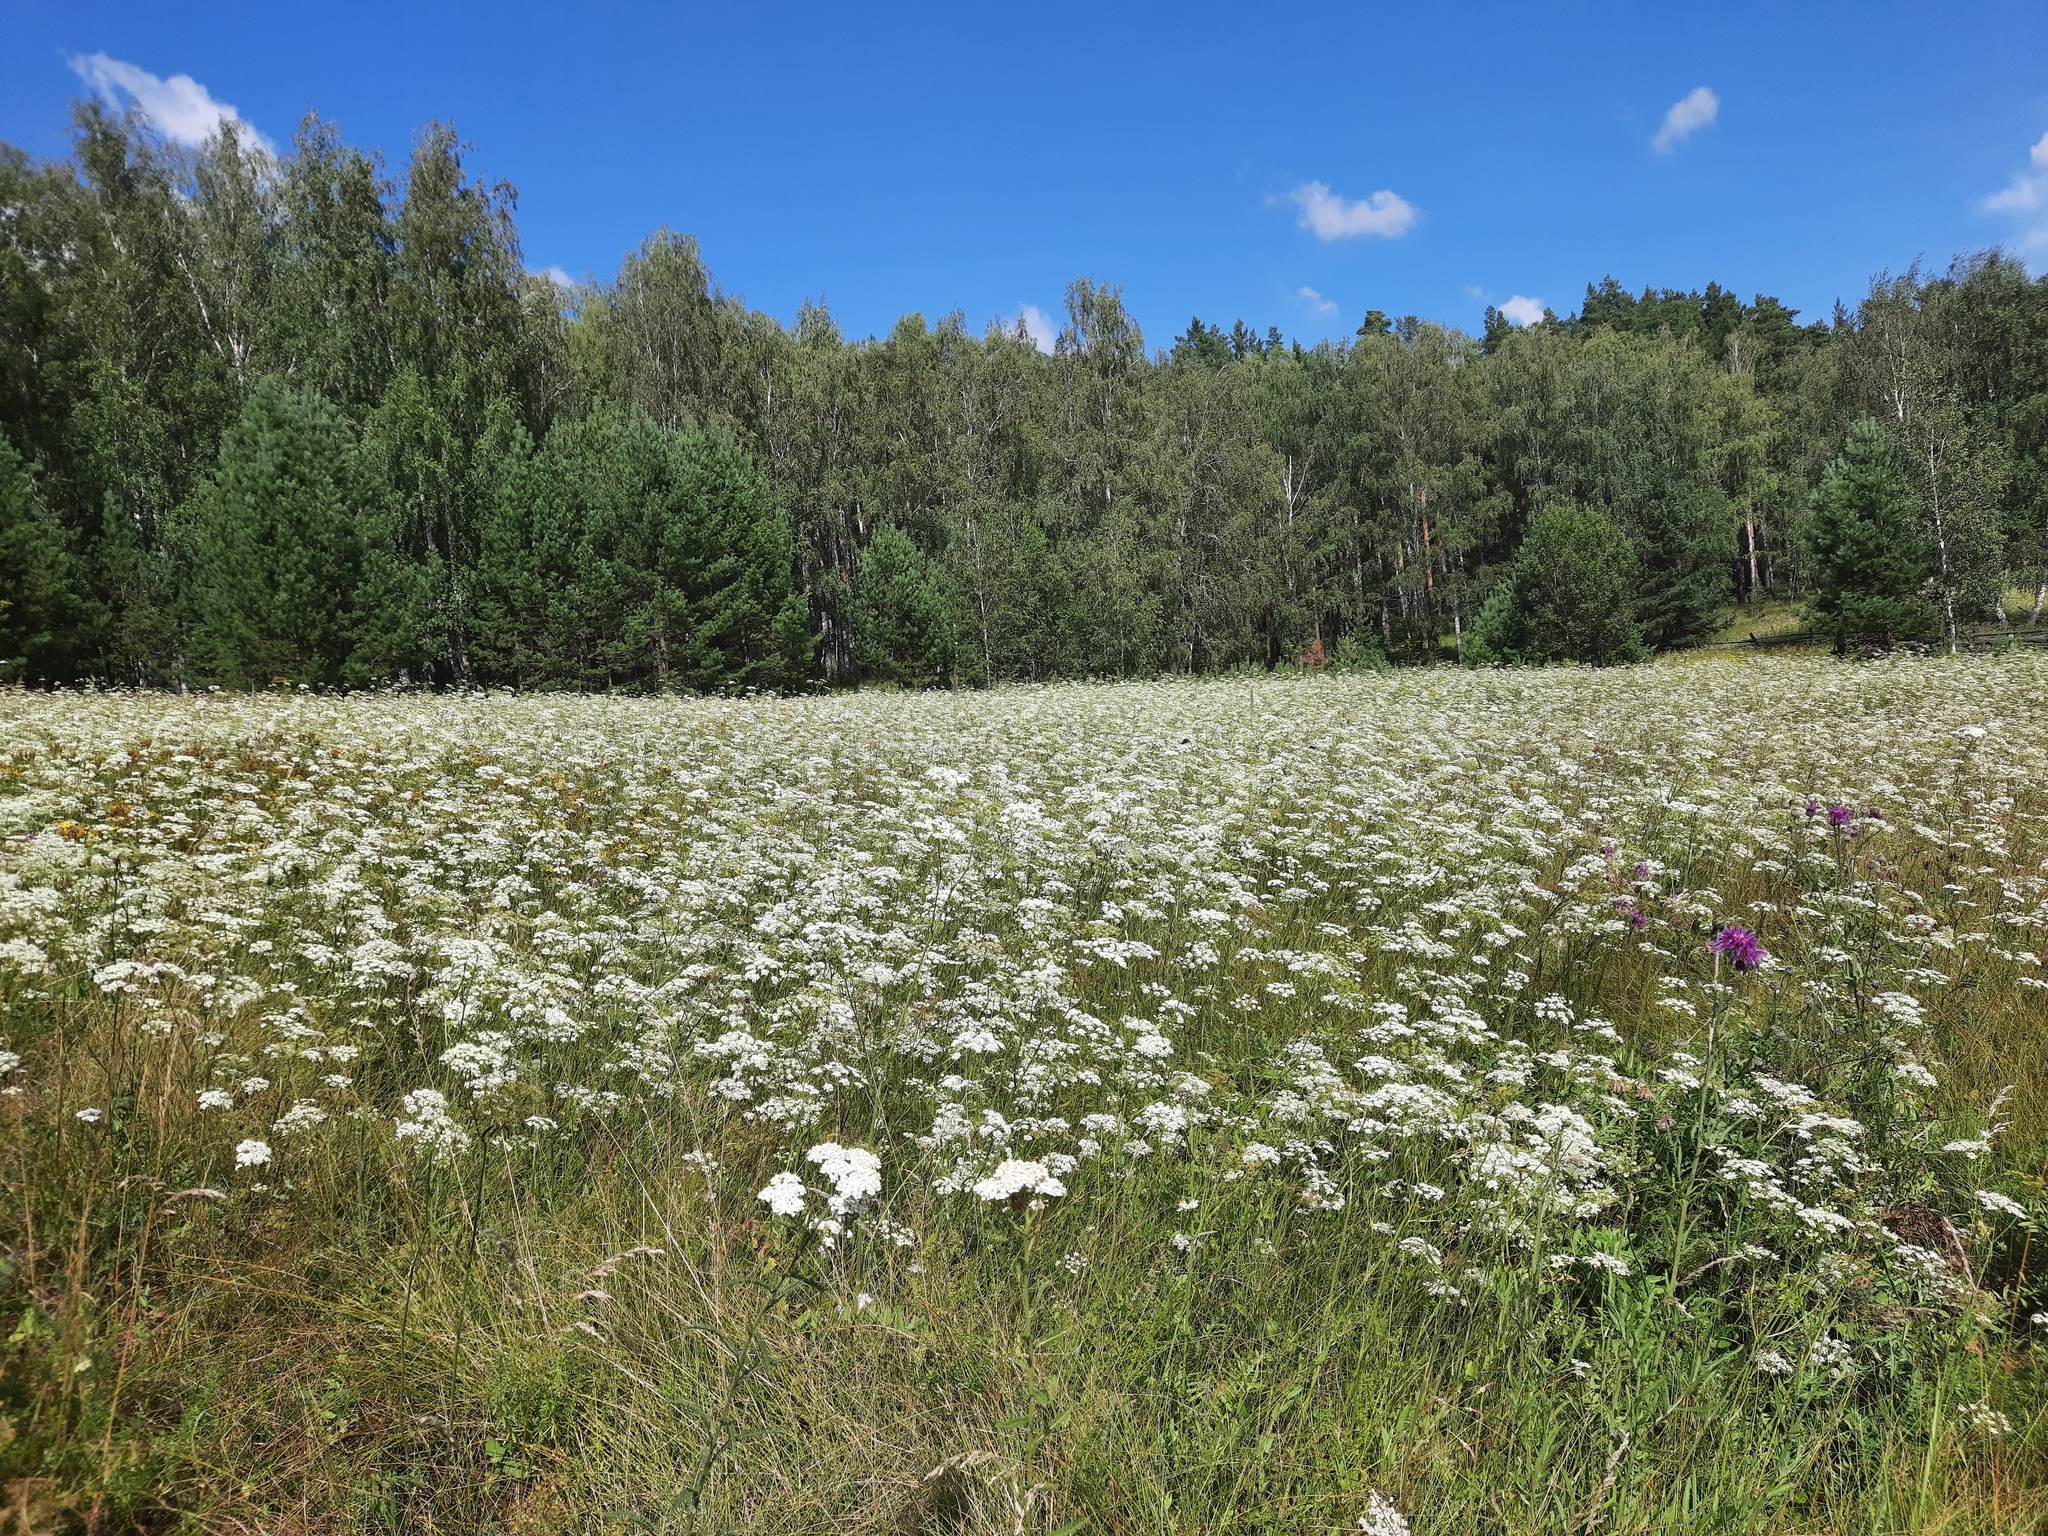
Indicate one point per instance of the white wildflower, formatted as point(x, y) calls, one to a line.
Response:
point(1985, 1420)
point(1017, 1177)
point(302, 1116)
point(784, 1195)
point(433, 1131)
point(1381, 1518)
point(854, 1173)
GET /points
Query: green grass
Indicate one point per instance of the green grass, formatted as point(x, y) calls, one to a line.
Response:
point(356, 1338)
point(1764, 619)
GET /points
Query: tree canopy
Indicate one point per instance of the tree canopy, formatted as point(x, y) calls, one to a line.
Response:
point(304, 417)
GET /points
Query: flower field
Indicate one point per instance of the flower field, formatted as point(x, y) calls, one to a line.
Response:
point(1484, 1101)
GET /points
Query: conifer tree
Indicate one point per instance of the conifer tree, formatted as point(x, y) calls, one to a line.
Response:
point(1870, 568)
point(903, 630)
point(624, 555)
point(275, 548)
point(1567, 598)
point(39, 607)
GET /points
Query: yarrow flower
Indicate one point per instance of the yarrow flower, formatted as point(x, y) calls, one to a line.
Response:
point(302, 1116)
point(1382, 1517)
point(1015, 1177)
point(1740, 946)
point(854, 1173)
point(1829, 1354)
point(432, 1130)
point(784, 1195)
point(1985, 1419)
point(252, 1154)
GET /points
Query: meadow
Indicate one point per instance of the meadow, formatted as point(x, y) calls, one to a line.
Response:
point(1492, 1101)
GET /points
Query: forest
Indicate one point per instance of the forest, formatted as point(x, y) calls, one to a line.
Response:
point(302, 419)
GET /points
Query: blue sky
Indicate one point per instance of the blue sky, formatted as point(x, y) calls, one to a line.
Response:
point(1290, 165)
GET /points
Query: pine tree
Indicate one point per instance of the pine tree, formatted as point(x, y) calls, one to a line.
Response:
point(704, 570)
point(624, 555)
point(275, 547)
point(1869, 566)
point(1568, 595)
point(903, 630)
point(40, 612)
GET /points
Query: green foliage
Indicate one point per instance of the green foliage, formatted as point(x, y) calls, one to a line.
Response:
point(274, 541)
point(903, 625)
point(1870, 568)
point(1104, 510)
point(40, 611)
point(1360, 1247)
point(1685, 542)
point(1355, 655)
point(1567, 597)
point(622, 554)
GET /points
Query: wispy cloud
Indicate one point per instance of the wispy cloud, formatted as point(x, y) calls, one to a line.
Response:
point(2027, 198)
point(1699, 110)
point(1334, 217)
point(1316, 301)
point(1038, 326)
point(558, 277)
point(179, 108)
point(1523, 311)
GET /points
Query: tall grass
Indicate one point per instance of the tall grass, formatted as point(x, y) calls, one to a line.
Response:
point(573, 1313)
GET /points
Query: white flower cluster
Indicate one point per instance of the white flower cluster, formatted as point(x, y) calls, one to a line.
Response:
point(1382, 1517)
point(436, 1134)
point(1014, 1176)
point(1076, 945)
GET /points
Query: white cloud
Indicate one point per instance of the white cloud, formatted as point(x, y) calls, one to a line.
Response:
point(1523, 311)
point(1333, 217)
point(1317, 302)
point(179, 108)
point(1698, 110)
point(558, 277)
point(1037, 326)
point(2028, 197)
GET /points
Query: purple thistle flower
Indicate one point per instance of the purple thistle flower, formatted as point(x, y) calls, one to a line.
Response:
point(1813, 807)
point(1642, 870)
point(1840, 815)
point(1740, 946)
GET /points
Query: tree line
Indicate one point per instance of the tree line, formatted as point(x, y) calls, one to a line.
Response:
point(298, 418)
